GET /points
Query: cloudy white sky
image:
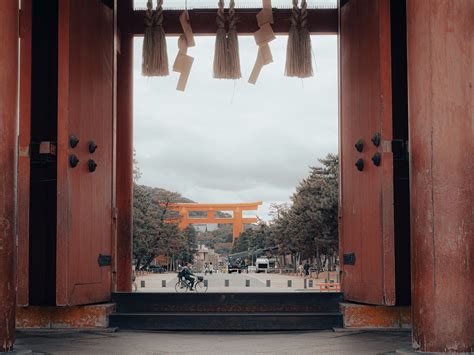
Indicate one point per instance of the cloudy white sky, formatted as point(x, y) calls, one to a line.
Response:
point(224, 141)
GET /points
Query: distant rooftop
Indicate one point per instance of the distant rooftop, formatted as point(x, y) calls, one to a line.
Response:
point(240, 4)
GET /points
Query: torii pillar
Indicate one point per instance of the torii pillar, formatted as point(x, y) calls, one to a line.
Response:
point(9, 33)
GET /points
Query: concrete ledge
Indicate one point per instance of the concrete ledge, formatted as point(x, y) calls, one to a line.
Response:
point(361, 316)
point(90, 316)
point(374, 330)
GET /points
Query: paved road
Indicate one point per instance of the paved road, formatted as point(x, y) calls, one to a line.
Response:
point(236, 283)
point(323, 342)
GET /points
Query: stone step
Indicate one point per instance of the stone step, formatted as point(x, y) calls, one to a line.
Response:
point(148, 302)
point(203, 321)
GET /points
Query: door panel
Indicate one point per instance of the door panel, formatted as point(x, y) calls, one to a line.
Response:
point(366, 225)
point(85, 109)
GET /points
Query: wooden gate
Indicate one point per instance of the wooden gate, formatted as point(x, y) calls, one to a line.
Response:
point(367, 213)
point(85, 192)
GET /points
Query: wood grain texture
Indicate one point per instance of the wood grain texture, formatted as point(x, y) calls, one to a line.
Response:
point(86, 110)
point(124, 187)
point(22, 261)
point(9, 30)
point(366, 212)
point(203, 21)
point(124, 154)
point(441, 77)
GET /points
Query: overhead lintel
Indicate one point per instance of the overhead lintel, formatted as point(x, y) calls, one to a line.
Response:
point(203, 21)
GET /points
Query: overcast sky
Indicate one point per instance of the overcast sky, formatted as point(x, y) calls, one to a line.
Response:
point(225, 141)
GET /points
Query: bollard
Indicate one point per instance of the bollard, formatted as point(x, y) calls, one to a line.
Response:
point(247, 283)
point(289, 283)
point(226, 283)
point(305, 283)
point(310, 283)
point(163, 283)
point(205, 283)
point(268, 283)
point(142, 283)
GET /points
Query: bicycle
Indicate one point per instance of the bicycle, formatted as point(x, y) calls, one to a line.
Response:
point(183, 286)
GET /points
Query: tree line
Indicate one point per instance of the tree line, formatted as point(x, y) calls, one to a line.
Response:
point(307, 227)
point(153, 235)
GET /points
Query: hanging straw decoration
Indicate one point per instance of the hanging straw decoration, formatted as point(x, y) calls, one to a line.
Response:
point(148, 52)
point(292, 49)
point(233, 58)
point(155, 56)
point(262, 37)
point(220, 51)
point(306, 65)
point(298, 50)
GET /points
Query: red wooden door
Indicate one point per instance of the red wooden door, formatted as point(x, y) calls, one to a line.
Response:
point(85, 109)
point(366, 225)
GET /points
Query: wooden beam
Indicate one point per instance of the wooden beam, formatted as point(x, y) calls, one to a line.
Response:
point(24, 138)
point(203, 21)
point(9, 30)
point(248, 220)
point(250, 206)
point(124, 155)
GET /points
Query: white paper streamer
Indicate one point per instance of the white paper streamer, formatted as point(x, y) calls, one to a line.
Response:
point(262, 37)
point(183, 61)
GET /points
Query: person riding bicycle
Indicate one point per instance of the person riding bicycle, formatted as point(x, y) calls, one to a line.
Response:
point(188, 275)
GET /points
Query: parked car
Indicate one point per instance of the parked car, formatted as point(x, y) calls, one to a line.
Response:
point(237, 268)
point(156, 269)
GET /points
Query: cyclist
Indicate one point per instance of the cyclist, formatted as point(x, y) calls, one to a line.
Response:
point(188, 275)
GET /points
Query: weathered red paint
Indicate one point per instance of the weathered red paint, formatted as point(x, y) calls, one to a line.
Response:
point(124, 153)
point(441, 96)
point(367, 316)
point(22, 261)
point(9, 30)
point(366, 212)
point(85, 210)
point(89, 316)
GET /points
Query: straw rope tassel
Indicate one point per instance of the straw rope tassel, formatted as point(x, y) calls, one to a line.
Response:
point(148, 51)
point(233, 58)
point(293, 47)
point(159, 38)
point(154, 54)
point(220, 51)
point(306, 65)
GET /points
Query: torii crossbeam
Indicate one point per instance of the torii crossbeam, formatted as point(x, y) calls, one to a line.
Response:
point(236, 220)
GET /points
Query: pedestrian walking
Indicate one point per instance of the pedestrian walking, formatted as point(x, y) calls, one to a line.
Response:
point(306, 268)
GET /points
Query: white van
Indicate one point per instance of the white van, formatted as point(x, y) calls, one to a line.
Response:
point(262, 264)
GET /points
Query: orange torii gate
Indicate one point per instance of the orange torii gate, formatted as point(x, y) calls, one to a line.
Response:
point(211, 208)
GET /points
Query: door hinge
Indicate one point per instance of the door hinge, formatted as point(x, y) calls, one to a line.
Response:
point(398, 147)
point(104, 260)
point(349, 259)
point(43, 151)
